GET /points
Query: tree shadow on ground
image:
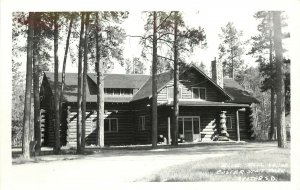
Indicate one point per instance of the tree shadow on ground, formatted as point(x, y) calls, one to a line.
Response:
point(146, 150)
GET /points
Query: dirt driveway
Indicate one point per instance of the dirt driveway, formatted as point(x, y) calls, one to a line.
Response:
point(116, 165)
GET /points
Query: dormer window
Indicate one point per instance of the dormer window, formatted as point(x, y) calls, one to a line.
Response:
point(199, 93)
point(118, 91)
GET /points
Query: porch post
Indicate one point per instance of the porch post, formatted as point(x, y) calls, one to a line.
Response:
point(238, 125)
point(169, 131)
point(224, 135)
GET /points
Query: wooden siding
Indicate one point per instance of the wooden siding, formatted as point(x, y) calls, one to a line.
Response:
point(68, 128)
point(244, 125)
point(193, 79)
point(46, 104)
point(119, 111)
point(128, 116)
point(140, 108)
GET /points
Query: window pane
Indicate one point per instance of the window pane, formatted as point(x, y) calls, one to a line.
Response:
point(106, 124)
point(126, 91)
point(228, 122)
point(117, 91)
point(180, 126)
point(109, 91)
point(143, 123)
point(195, 93)
point(113, 125)
point(140, 123)
point(196, 125)
point(202, 93)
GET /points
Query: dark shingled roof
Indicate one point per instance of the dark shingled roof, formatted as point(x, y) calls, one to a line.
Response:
point(122, 80)
point(143, 83)
point(70, 90)
point(237, 92)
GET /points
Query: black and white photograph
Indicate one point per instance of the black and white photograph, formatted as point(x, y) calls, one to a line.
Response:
point(96, 96)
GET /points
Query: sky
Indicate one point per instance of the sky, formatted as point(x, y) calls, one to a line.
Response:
point(211, 21)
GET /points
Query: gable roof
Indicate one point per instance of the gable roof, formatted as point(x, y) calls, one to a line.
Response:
point(164, 78)
point(143, 83)
point(212, 81)
point(146, 90)
point(70, 89)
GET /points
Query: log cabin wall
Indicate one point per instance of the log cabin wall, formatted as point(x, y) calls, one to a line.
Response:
point(142, 108)
point(123, 114)
point(162, 121)
point(244, 126)
point(46, 106)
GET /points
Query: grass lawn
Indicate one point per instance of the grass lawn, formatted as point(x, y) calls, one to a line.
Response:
point(269, 165)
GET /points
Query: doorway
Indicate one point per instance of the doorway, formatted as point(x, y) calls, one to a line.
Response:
point(189, 128)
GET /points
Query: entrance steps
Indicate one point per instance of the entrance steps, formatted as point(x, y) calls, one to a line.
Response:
point(207, 133)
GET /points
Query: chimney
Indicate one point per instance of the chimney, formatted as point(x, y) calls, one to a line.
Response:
point(217, 72)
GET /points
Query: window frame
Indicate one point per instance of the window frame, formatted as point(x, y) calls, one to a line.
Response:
point(230, 121)
point(142, 125)
point(121, 92)
point(109, 125)
point(199, 92)
point(190, 117)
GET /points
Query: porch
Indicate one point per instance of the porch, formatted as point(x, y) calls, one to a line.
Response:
point(202, 121)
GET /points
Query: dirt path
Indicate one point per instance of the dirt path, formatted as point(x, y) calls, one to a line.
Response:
point(113, 166)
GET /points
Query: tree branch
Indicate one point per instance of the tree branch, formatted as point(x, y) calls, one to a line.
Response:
point(164, 20)
point(135, 36)
point(165, 57)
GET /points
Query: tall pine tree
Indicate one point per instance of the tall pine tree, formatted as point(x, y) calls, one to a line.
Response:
point(231, 49)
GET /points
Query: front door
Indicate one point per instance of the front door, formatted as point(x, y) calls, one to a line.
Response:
point(188, 129)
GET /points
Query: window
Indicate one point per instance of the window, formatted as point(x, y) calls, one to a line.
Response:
point(171, 93)
point(118, 91)
point(108, 91)
point(142, 123)
point(228, 122)
point(111, 125)
point(199, 93)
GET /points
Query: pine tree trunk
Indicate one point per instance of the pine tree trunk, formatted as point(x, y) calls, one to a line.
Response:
point(280, 90)
point(27, 107)
point(272, 132)
point(154, 83)
point(64, 67)
point(176, 75)
point(56, 87)
point(79, 91)
point(36, 91)
point(84, 84)
point(100, 88)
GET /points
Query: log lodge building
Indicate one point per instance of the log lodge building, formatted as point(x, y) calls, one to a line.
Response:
point(204, 105)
